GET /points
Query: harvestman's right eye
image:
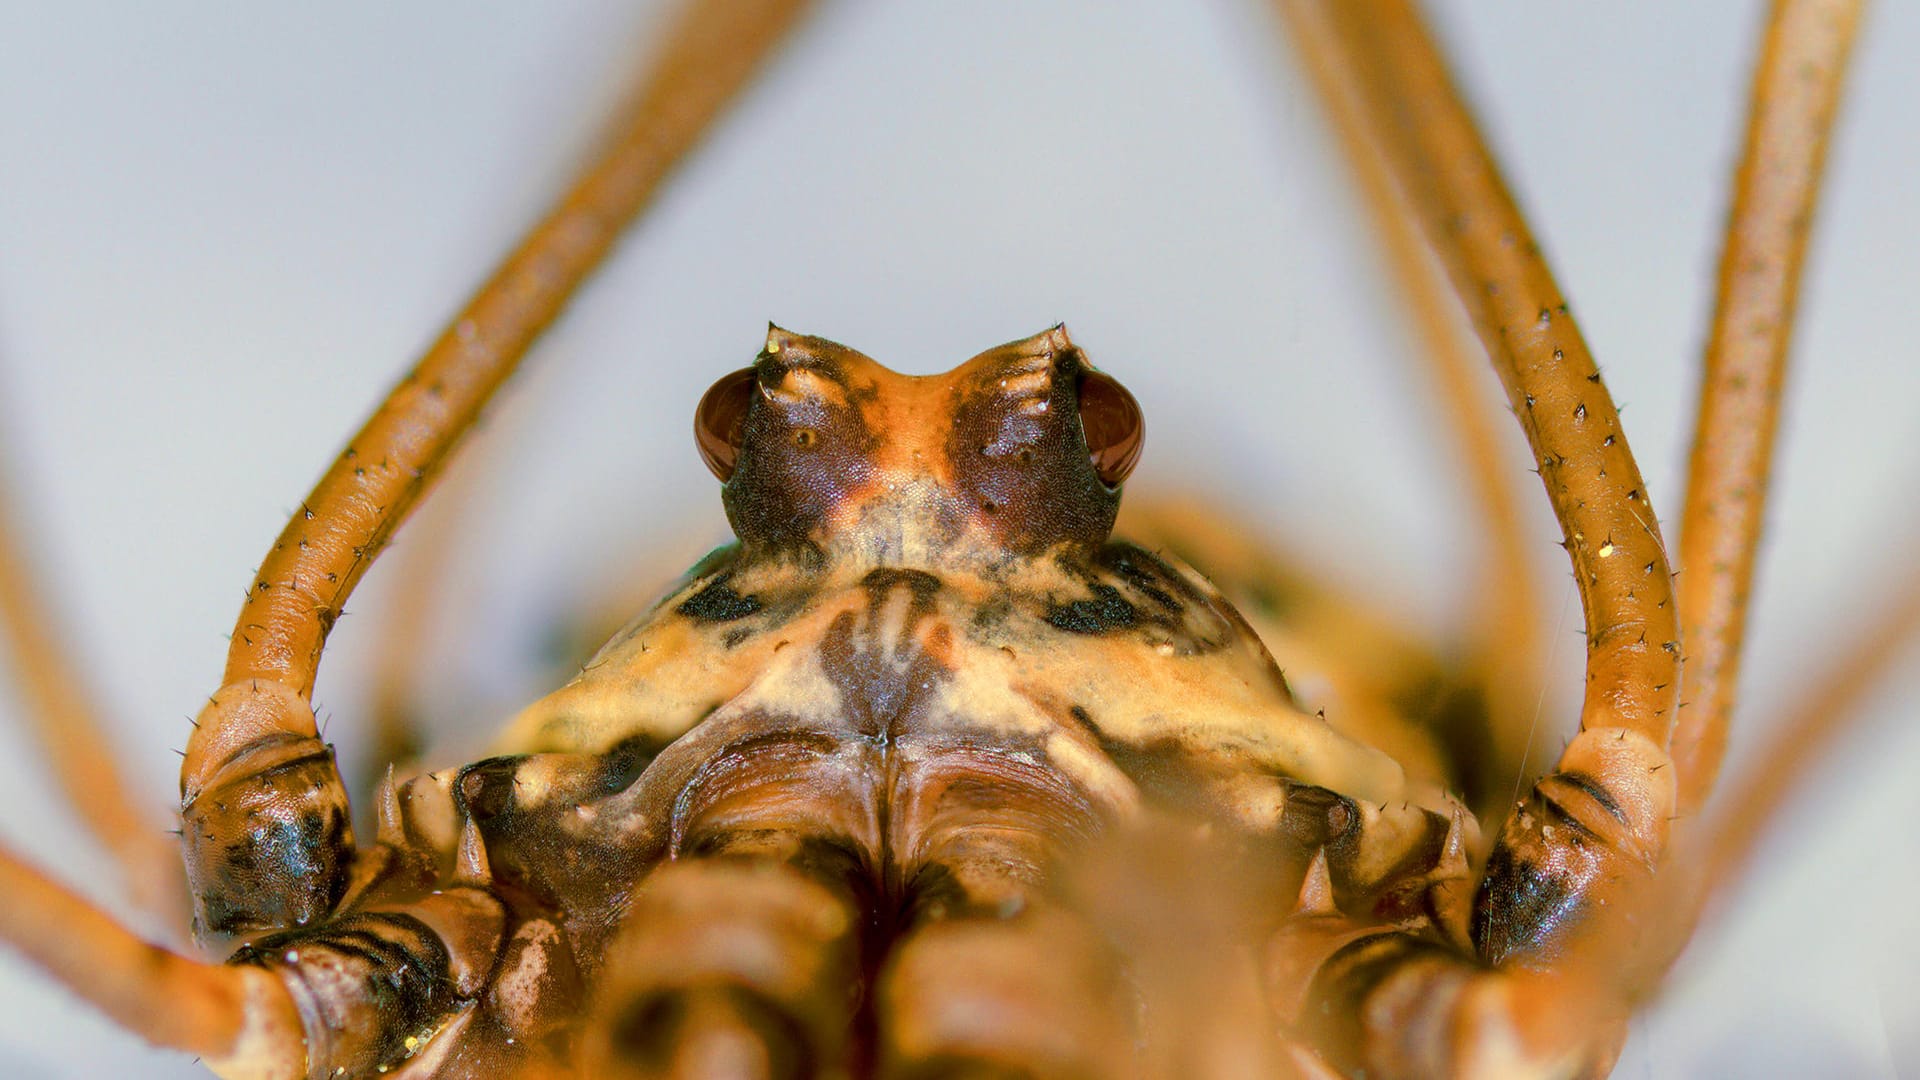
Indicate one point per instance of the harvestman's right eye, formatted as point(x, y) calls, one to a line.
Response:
point(1113, 424)
point(720, 422)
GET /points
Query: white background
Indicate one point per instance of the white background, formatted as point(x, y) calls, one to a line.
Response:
point(223, 230)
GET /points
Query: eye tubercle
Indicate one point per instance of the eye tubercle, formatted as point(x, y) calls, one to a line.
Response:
point(1115, 429)
point(720, 421)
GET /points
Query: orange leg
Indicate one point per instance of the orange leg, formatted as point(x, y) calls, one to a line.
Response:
point(227, 1015)
point(1552, 384)
point(265, 813)
point(68, 724)
point(1507, 644)
point(1611, 776)
point(1796, 92)
point(1590, 833)
point(1606, 801)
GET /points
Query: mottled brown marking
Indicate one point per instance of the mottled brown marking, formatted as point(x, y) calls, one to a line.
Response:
point(803, 451)
point(1018, 455)
point(987, 461)
point(272, 846)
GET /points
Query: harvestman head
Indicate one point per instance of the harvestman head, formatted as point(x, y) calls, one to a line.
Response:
point(822, 449)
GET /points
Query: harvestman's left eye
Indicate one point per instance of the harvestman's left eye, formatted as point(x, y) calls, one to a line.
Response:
point(1113, 425)
point(720, 421)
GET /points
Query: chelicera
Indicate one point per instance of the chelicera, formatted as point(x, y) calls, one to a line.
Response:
point(478, 799)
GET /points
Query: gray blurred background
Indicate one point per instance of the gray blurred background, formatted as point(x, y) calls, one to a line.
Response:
point(224, 230)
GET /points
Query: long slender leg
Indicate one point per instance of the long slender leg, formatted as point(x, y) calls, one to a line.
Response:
point(1602, 818)
point(1712, 856)
point(1532, 884)
point(1506, 642)
point(241, 1020)
point(1589, 836)
point(1552, 384)
point(1795, 96)
point(422, 576)
point(68, 724)
point(265, 812)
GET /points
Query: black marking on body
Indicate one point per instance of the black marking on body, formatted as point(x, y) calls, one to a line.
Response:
point(624, 761)
point(1130, 591)
point(550, 850)
point(386, 964)
point(991, 617)
point(1521, 902)
point(924, 587)
point(1597, 792)
point(1560, 815)
point(1106, 612)
point(1541, 873)
point(270, 850)
point(717, 602)
point(1146, 574)
point(884, 684)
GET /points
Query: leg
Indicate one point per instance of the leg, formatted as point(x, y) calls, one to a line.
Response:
point(69, 727)
point(240, 1021)
point(1589, 836)
point(259, 787)
point(1556, 392)
point(1613, 784)
point(1588, 839)
point(1506, 654)
point(1796, 91)
point(265, 814)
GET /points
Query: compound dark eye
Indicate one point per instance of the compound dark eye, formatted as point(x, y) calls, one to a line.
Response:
point(720, 422)
point(1113, 425)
